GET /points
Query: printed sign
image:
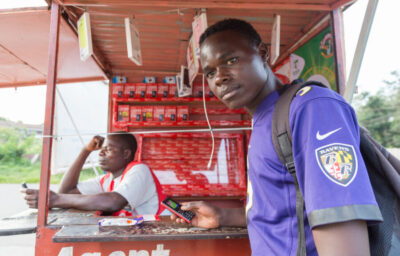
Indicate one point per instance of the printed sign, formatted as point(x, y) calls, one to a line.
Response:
point(315, 60)
point(182, 82)
point(192, 61)
point(159, 251)
point(133, 42)
point(199, 25)
point(85, 37)
point(275, 38)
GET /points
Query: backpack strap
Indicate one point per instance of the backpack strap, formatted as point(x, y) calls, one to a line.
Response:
point(282, 140)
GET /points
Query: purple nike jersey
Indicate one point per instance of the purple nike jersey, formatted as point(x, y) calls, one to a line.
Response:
point(329, 167)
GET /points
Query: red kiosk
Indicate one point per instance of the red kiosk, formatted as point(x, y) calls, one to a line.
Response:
point(173, 132)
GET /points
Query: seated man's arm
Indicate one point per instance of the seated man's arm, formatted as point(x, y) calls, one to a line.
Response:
point(106, 201)
point(71, 177)
point(345, 238)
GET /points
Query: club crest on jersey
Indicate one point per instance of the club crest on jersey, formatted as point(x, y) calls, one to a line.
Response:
point(338, 162)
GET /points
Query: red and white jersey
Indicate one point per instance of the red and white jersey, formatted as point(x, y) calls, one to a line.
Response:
point(137, 185)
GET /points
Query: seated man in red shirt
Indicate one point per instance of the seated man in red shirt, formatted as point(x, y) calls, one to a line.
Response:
point(128, 188)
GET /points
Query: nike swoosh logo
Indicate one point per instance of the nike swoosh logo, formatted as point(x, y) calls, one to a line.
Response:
point(326, 135)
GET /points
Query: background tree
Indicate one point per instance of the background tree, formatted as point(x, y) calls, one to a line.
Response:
point(380, 113)
point(15, 143)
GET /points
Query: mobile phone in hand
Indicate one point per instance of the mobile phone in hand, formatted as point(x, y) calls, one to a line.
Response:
point(175, 207)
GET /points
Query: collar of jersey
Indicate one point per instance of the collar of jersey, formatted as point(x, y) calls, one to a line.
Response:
point(266, 104)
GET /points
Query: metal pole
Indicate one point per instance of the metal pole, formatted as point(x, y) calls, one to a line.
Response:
point(339, 53)
point(49, 115)
point(360, 49)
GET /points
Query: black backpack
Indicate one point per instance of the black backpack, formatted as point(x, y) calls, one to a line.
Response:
point(383, 170)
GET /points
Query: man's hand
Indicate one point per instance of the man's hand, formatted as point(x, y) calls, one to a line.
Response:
point(95, 143)
point(207, 215)
point(32, 197)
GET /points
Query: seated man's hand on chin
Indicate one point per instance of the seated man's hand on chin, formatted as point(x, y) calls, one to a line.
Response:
point(95, 143)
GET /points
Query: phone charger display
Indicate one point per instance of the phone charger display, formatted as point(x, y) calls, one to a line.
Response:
point(117, 90)
point(129, 90)
point(151, 91)
point(136, 113)
point(123, 113)
point(208, 91)
point(183, 87)
point(170, 113)
point(141, 90)
point(147, 113)
point(149, 79)
point(172, 90)
point(119, 79)
point(169, 80)
point(182, 113)
point(159, 112)
point(198, 90)
point(162, 91)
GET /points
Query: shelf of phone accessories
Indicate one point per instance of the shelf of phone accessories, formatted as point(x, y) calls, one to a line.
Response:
point(181, 124)
point(165, 229)
point(188, 163)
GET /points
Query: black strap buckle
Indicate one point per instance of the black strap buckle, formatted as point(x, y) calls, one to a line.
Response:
point(290, 166)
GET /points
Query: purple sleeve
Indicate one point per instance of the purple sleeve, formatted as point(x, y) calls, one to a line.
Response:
point(331, 172)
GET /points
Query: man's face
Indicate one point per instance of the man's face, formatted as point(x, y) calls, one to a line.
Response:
point(234, 69)
point(112, 156)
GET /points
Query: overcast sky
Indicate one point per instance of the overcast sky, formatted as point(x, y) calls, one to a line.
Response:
point(381, 57)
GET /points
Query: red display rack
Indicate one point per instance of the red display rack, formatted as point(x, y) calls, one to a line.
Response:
point(182, 168)
point(180, 159)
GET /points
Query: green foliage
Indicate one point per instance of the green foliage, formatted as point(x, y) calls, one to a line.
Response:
point(14, 144)
point(380, 113)
point(19, 172)
point(30, 173)
point(14, 168)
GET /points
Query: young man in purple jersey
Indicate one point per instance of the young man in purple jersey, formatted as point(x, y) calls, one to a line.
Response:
point(339, 201)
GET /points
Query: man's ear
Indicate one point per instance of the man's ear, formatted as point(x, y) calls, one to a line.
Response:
point(127, 153)
point(263, 51)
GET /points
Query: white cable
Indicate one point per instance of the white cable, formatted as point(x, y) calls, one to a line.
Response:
point(209, 126)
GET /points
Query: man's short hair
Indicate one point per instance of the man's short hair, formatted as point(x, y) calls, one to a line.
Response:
point(240, 26)
point(126, 140)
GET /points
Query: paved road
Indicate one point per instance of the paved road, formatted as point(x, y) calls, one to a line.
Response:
point(12, 202)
